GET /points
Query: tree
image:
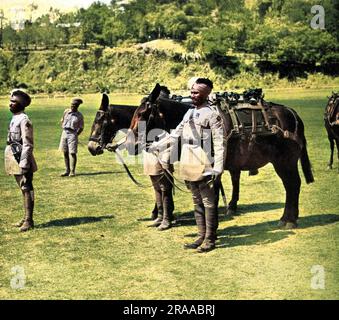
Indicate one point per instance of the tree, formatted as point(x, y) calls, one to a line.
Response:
point(11, 39)
point(92, 21)
point(217, 40)
point(265, 37)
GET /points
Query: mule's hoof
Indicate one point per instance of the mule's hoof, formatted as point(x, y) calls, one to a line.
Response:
point(231, 211)
point(281, 224)
point(329, 167)
point(291, 225)
point(173, 219)
point(228, 216)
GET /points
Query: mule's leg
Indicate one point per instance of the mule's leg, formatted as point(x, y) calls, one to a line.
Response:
point(216, 184)
point(290, 177)
point(337, 143)
point(329, 166)
point(169, 187)
point(232, 206)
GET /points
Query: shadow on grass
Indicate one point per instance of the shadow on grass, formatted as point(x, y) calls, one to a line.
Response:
point(268, 232)
point(258, 207)
point(187, 218)
point(68, 222)
point(97, 173)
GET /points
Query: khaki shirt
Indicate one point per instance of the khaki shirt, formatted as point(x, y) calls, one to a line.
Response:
point(202, 133)
point(73, 121)
point(20, 130)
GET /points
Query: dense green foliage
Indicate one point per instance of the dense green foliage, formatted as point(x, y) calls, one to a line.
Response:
point(91, 239)
point(135, 69)
point(274, 29)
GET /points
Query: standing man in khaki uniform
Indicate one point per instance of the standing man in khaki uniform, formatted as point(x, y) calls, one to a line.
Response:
point(157, 167)
point(19, 158)
point(72, 124)
point(202, 160)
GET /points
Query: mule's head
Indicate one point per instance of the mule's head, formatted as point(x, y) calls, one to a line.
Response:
point(332, 108)
point(146, 118)
point(103, 128)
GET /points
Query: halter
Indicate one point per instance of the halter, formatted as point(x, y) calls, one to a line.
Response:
point(154, 111)
point(332, 106)
point(105, 123)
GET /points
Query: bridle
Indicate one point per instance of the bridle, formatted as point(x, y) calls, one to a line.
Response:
point(106, 115)
point(154, 113)
point(333, 104)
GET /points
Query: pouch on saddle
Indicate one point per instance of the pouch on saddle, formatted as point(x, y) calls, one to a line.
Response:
point(248, 113)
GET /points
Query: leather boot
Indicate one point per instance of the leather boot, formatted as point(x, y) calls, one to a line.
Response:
point(158, 209)
point(154, 213)
point(29, 206)
point(166, 220)
point(158, 220)
point(21, 222)
point(211, 230)
point(199, 214)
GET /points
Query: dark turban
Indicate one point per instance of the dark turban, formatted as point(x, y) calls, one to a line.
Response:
point(23, 98)
point(76, 101)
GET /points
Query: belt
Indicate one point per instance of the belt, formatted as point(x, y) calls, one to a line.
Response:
point(70, 130)
point(13, 142)
point(192, 141)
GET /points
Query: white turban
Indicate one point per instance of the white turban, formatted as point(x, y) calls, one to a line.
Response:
point(203, 88)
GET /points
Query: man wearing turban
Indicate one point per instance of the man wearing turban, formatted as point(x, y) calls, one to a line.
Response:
point(202, 160)
point(19, 158)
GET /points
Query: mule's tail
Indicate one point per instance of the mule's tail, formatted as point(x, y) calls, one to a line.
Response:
point(306, 164)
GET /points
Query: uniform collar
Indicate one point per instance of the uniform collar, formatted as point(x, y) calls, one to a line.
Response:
point(204, 105)
point(18, 113)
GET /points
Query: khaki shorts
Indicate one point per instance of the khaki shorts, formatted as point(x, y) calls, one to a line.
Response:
point(69, 142)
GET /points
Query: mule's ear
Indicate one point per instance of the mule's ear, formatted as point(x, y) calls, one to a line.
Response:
point(155, 93)
point(104, 102)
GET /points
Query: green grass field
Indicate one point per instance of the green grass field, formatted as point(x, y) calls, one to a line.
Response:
point(91, 239)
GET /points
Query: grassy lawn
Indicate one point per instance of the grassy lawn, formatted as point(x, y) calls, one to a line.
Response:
point(91, 239)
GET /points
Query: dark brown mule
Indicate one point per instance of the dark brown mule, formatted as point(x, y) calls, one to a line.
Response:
point(331, 118)
point(108, 121)
point(282, 150)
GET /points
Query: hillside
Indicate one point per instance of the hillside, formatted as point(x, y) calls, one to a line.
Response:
point(133, 69)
